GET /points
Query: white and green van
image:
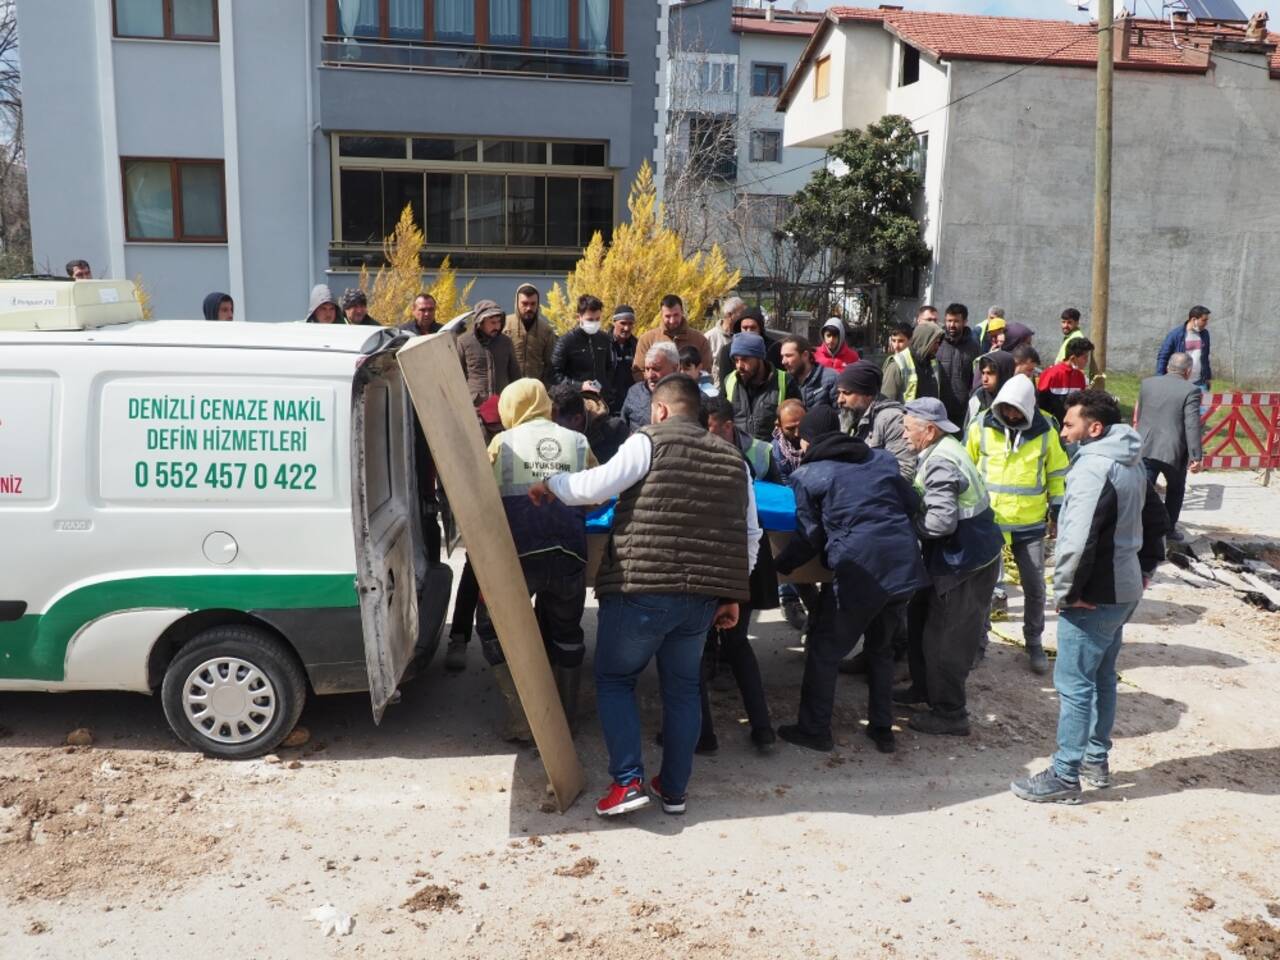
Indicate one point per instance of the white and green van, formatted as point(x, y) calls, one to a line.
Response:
point(233, 515)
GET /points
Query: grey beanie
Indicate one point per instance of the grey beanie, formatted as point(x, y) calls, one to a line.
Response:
point(747, 345)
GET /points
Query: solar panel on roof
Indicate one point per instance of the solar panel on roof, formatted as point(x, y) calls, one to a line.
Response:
point(1214, 10)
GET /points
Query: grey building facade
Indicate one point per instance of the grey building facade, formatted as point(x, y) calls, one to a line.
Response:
point(260, 146)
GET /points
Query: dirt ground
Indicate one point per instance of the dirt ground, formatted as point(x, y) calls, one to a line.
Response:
point(436, 839)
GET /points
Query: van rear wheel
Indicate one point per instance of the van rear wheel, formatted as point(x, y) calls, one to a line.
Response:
point(233, 692)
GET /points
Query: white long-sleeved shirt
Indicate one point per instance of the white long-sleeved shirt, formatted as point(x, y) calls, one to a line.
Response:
point(627, 468)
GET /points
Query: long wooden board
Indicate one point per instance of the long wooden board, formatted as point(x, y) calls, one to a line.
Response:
point(433, 373)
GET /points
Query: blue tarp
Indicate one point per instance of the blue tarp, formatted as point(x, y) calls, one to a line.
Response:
point(775, 506)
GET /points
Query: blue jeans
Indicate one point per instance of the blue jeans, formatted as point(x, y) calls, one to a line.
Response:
point(1085, 678)
point(632, 629)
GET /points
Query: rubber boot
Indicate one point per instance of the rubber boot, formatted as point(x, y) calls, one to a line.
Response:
point(568, 680)
point(517, 729)
point(1039, 662)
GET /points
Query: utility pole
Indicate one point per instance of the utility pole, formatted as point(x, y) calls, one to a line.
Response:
point(1102, 189)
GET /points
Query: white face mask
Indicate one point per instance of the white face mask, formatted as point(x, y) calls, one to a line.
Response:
point(590, 327)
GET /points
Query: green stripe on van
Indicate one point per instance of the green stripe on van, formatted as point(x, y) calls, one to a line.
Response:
point(34, 647)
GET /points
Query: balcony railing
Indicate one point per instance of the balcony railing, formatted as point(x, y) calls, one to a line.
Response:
point(346, 255)
point(420, 56)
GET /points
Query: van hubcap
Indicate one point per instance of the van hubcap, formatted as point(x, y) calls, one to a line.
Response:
point(229, 700)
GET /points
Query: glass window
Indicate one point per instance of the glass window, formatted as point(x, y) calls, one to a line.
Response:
point(593, 24)
point(577, 154)
point(822, 78)
point(504, 22)
point(148, 200)
point(382, 148)
point(398, 189)
point(444, 148)
point(153, 212)
point(550, 25)
point(485, 210)
point(455, 20)
point(406, 20)
point(728, 77)
point(446, 208)
point(766, 79)
point(766, 146)
point(167, 19)
point(361, 198)
point(562, 212)
point(597, 209)
point(526, 211)
point(910, 66)
point(515, 151)
point(202, 206)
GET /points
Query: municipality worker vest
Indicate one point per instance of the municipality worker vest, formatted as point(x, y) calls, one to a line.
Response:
point(907, 367)
point(1075, 334)
point(977, 540)
point(1022, 482)
point(527, 454)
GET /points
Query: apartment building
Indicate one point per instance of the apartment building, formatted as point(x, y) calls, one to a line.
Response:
point(259, 147)
point(1005, 110)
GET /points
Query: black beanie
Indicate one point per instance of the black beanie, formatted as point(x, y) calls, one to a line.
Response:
point(863, 378)
point(818, 422)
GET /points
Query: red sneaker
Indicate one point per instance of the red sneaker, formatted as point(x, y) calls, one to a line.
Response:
point(669, 804)
point(622, 799)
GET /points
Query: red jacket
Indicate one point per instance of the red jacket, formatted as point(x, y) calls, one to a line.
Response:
point(842, 359)
point(1056, 384)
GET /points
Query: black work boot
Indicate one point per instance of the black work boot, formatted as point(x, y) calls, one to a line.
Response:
point(929, 721)
point(567, 682)
point(1038, 659)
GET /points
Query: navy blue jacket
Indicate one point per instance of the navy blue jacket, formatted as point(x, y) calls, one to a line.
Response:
point(636, 408)
point(1176, 342)
point(820, 388)
point(854, 509)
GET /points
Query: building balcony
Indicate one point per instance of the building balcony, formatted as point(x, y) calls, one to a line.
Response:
point(353, 256)
point(418, 56)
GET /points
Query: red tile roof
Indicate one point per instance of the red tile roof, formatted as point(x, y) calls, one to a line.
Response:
point(956, 36)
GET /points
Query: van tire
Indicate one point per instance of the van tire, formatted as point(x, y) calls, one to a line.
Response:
point(280, 685)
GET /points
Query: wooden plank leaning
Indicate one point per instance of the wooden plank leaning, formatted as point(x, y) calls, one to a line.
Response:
point(433, 374)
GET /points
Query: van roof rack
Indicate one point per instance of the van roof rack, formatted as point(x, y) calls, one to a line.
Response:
point(56, 303)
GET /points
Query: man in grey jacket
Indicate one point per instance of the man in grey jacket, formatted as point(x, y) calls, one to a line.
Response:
point(1110, 539)
point(866, 415)
point(1168, 417)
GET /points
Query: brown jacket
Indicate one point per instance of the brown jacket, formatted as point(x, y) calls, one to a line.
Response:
point(687, 337)
point(488, 366)
point(533, 347)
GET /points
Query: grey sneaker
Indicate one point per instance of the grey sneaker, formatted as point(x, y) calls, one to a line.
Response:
point(1046, 787)
point(1096, 774)
point(455, 655)
point(793, 613)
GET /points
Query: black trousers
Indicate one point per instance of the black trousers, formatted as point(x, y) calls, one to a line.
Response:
point(558, 585)
point(831, 638)
point(464, 605)
point(944, 631)
point(1175, 485)
point(733, 647)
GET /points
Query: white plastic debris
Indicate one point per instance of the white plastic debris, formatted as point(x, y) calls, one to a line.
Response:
point(333, 921)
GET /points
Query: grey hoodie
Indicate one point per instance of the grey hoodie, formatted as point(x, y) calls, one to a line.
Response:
point(1101, 525)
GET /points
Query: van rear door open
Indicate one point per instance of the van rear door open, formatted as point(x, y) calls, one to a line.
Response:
point(389, 546)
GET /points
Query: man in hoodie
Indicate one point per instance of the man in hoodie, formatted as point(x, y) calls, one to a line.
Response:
point(1110, 539)
point(584, 355)
point(322, 308)
point(961, 552)
point(675, 330)
point(488, 358)
point(854, 510)
point(661, 360)
point(834, 352)
point(219, 306)
point(755, 388)
point(551, 542)
point(915, 371)
point(867, 415)
point(817, 384)
point(1021, 460)
point(994, 370)
point(530, 334)
point(956, 355)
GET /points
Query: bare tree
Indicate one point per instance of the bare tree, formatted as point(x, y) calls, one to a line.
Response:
point(15, 220)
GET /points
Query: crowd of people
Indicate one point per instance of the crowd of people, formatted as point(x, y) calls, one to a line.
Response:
point(918, 482)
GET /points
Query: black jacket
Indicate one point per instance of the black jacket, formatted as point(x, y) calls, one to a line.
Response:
point(579, 357)
point(755, 407)
point(956, 360)
point(624, 353)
